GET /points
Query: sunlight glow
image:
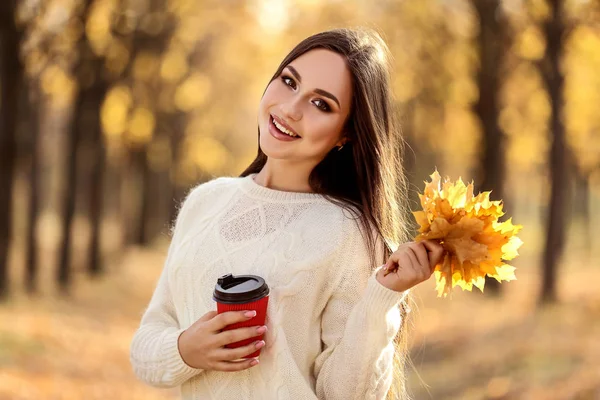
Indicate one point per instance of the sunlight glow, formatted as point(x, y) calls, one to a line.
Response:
point(272, 15)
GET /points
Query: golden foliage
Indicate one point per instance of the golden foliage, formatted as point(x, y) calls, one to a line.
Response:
point(193, 55)
point(174, 65)
point(467, 226)
point(58, 85)
point(141, 126)
point(98, 26)
point(115, 110)
point(193, 93)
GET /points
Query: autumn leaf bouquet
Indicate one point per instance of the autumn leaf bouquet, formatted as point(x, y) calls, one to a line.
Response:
point(467, 226)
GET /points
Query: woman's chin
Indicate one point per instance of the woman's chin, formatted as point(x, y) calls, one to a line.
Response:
point(274, 153)
point(272, 148)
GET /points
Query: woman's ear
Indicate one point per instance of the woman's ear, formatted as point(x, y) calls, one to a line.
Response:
point(345, 139)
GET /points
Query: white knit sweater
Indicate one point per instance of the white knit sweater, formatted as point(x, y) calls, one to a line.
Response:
point(330, 323)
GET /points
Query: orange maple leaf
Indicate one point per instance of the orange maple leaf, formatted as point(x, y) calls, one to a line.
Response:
point(476, 243)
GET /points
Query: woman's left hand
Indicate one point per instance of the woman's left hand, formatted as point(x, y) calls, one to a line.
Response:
point(411, 264)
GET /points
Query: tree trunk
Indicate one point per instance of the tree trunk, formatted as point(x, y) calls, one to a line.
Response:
point(141, 211)
point(96, 181)
point(154, 211)
point(555, 237)
point(34, 184)
point(85, 127)
point(11, 76)
point(492, 162)
point(96, 197)
point(69, 194)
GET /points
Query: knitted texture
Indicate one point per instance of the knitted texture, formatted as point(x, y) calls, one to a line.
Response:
point(330, 323)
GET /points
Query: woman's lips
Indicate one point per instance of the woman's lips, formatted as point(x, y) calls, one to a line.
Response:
point(277, 134)
point(284, 124)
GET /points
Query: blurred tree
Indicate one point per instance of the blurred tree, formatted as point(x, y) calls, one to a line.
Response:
point(11, 76)
point(491, 48)
point(32, 117)
point(554, 31)
point(150, 43)
point(93, 84)
point(86, 103)
point(34, 47)
point(582, 95)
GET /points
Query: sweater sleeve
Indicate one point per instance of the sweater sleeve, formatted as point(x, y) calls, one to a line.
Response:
point(358, 326)
point(154, 351)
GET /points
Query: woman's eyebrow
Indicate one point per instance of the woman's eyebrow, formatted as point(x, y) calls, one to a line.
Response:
point(319, 91)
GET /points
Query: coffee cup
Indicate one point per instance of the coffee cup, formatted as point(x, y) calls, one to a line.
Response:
point(241, 293)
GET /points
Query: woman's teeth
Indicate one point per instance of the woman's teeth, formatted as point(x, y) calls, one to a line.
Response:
point(282, 129)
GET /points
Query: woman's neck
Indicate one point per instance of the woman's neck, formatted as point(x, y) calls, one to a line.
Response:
point(276, 176)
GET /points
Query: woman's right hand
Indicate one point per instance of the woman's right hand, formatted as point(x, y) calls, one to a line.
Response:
point(202, 344)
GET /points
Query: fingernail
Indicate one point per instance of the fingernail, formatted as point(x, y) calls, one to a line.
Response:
point(259, 344)
point(254, 362)
point(261, 329)
point(250, 314)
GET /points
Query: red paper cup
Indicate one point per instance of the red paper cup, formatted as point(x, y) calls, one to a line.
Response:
point(241, 293)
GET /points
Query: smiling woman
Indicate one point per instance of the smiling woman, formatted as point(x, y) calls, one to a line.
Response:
point(310, 99)
point(316, 214)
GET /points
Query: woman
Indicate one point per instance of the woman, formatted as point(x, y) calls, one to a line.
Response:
point(314, 214)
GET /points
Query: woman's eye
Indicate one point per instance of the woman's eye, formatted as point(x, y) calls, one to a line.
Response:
point(322, 105)
point(288, 81)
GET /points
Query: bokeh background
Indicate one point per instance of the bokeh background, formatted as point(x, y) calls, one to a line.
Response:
point(110, 110)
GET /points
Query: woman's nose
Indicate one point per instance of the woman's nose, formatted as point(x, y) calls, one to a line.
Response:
point(291, 110)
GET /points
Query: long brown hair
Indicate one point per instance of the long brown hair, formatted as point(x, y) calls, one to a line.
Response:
point(366, 176)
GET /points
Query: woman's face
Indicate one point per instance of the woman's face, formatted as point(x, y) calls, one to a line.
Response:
point(310, 98)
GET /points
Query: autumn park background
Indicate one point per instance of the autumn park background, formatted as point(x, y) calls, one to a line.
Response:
point(110, 110)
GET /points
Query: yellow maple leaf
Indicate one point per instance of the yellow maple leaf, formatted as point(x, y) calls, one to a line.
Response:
point(476, 243)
